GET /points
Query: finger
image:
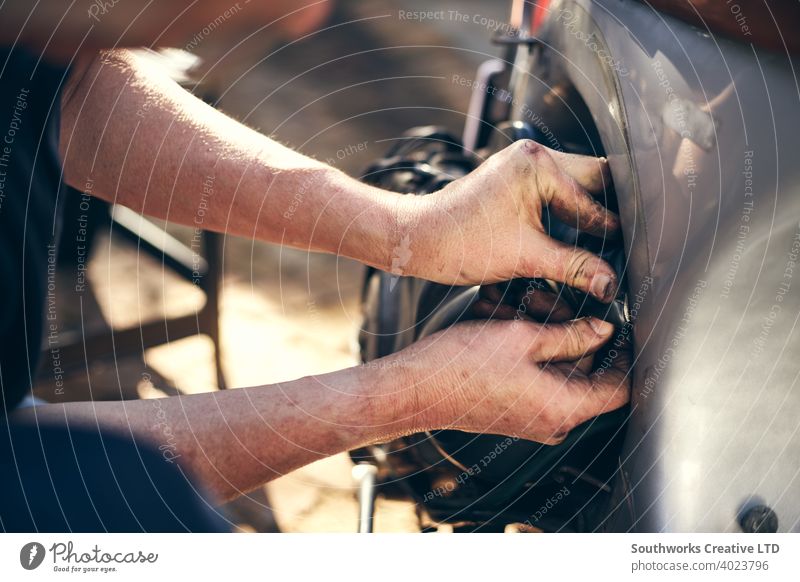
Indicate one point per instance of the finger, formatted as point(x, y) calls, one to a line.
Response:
point(582, 367)
point(585, 398)
point(487, 310)
point(564, 195)
point(610, 382)
point(543, 305)
point(585, 365)
point(570, 341)
point(591, 173)
point(522, 299)
point(492, 303)
point(573, 206)
point(574, 266)
point(613, 363)
point(538, 308)
point(619, 355)
point(609, 391)
point(494, 293)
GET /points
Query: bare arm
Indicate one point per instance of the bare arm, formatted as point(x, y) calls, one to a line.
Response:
point(235, 440)
point(132, 136)
point(140, 140)
point(483, 376)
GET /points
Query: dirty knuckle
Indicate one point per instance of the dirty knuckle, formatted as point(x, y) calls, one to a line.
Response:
point(543, 337)
point(528, 146)
point(577, 266)
point(575, 337)
point(597, 216)
point(528, 153)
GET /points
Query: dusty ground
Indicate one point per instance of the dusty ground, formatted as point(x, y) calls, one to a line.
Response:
point(286, 313)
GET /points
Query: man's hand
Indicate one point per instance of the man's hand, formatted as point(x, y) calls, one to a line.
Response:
point(516, 378)
point(483, 228)
point(487, 226)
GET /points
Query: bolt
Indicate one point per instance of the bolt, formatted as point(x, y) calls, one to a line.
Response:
point(759, 519)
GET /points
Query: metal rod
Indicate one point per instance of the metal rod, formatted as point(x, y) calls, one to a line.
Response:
point(521, 19)
point(365, 475)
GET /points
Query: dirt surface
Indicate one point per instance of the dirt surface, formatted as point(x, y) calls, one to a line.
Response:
point(339, 95)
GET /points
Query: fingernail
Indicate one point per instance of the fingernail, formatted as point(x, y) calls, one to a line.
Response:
point(613, 221)
point(603, 287)
point(599, 326)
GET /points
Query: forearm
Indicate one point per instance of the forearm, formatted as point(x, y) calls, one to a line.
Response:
point(236, 440)
point(132, 136)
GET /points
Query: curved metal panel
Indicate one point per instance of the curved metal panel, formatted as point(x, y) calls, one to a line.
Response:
point(703, 136)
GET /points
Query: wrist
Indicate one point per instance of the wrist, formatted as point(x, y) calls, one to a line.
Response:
point(392, 232)
point(395, 397)
point(366, 223)
point(423, 377)
point(433, 239)
point(418, 239)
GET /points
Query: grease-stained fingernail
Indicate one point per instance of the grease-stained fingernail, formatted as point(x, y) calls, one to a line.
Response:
point(604, 287)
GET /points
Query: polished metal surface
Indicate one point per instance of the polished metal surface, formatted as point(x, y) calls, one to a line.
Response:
point(365, 475)
point(702, 135)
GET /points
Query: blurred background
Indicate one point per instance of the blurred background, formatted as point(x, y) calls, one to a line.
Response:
point(361, 74)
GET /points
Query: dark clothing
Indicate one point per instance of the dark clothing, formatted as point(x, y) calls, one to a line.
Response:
point(58, 480)
point(30, 209)
point(54, 479)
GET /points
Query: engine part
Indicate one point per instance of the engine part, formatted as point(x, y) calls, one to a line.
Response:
point(480, 481)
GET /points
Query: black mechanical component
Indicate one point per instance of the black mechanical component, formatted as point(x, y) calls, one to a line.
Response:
point(424, 160)
point(480, 482)
point(759, 519)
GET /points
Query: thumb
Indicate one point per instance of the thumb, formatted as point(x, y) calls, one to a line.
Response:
point(574, 266)
point(570, 341)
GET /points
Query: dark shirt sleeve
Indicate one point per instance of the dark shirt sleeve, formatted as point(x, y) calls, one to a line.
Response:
point(30, 214)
